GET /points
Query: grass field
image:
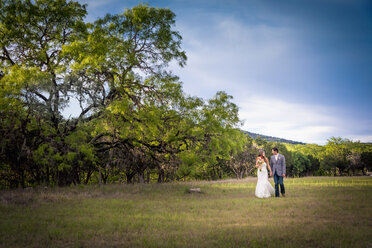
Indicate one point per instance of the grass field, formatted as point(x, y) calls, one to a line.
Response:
point(317, 212)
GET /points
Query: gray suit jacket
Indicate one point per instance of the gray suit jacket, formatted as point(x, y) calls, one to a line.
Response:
point(278, 165)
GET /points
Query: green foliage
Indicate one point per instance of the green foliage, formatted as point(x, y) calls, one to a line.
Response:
point(366, 160)
point(338, 157)
point(301, 163)
point(134, 118)
point(335, 155)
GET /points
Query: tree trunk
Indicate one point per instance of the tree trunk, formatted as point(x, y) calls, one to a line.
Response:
point(161, 176)
point(23, 179)
point(129, 177)
point(89, 173)
point(241, 174)
point(47, 175)
point(148, 176)
point(236, 173)
point(171, 177)
point(141, 178)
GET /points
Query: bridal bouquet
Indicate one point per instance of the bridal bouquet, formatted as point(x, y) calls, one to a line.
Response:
point(260, 162)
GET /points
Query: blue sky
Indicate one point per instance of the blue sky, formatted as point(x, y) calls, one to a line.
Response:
point(297, 69)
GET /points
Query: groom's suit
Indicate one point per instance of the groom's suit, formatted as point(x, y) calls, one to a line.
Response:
point(278, 166)
point(278, 169)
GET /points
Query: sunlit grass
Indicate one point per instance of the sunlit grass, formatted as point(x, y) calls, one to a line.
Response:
point(318, 212)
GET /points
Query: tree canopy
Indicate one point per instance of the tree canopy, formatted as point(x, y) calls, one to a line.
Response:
point(134, 116)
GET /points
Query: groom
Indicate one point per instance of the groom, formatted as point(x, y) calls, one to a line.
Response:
point(277, 162)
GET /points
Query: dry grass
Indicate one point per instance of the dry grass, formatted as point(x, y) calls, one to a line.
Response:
point(318, 212)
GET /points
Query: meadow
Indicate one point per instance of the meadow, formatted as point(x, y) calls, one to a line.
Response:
point(317, 212)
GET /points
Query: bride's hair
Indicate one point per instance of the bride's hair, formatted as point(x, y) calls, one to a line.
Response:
point(261, 153)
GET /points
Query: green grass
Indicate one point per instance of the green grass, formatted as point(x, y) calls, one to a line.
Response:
point(317, 212)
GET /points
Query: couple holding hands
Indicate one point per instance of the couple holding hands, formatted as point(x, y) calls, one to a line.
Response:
point(277, 163)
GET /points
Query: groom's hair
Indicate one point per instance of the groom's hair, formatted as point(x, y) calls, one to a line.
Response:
point(275, 149)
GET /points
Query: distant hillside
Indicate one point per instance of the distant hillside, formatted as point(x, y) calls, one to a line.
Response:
point(274, 139)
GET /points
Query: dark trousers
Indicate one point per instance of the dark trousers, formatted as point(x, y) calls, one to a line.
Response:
point(278, 181)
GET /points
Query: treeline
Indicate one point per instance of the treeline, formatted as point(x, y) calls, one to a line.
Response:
point(135, 122)
point(339, 157)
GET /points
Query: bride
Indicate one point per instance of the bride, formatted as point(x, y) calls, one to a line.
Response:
point(263, 187)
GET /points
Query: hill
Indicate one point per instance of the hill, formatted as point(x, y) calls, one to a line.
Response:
point(274, 139)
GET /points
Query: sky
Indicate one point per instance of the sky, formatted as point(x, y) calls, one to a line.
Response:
point(297, 69)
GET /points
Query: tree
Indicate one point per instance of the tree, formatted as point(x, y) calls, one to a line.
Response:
point(355, 162)
point(243, 162)
point(313, 152)
point(300, 164)
point(335, 155)
point(32, 36)
point(366, 160)
point(260, 141)
point(51, 56)
point(134, 116)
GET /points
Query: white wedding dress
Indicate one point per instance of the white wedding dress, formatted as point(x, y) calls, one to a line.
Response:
point(263, 187)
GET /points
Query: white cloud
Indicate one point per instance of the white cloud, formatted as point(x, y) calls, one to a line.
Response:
point(362, 138)
point(276, 117)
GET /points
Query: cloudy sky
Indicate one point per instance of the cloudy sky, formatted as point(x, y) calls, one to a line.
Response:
point(297, 69)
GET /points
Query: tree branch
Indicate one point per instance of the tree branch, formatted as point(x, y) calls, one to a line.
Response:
point(7, 56)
